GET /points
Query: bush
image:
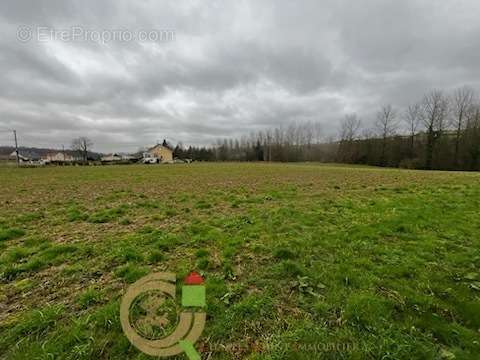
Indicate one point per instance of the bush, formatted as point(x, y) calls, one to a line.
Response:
point(415, 163)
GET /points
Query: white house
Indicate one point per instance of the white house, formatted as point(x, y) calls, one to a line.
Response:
point(58, 157)
point(160, 153)
point(111, 157)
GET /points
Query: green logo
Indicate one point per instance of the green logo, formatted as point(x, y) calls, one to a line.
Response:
point(155, 324)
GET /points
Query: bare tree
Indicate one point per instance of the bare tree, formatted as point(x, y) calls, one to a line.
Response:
point(426, 123)
point(82, 145)
point(349, 130)
point(268, 142)
point(350, 127)
point(386, 125)
point(462, 102)
point(434, 114)
point(412, 119)
point(317, 132)
point(473, 137)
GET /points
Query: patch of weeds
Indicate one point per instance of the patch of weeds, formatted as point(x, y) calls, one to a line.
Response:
point(216, 288)
point(34, 265)
point(167, 243)
point(171, 212)
point(106, 317)
point(85, 250)
point(10, 272)
point(156, 256)
point(25, 284)
point(203, 264)
point(148, 204)
point(201, 253)
point(29, 217)
point(434, 324)
point(15, 254)
point(228, 272)
point(35, 241)
point(155, 217)
point(284, 254)
point(76, 214)
point(150, 235)
point(229, 252)
point(36, 323)
point(131, 273)
point(107, 215)
point(202, 204)
point(321, 309)
point(146, 230)
point(289, 269)
point(253, 307)
point(89, 297)
point(56, 251)
point(237, 222)
point(11, 233)
point(368, 311)
point(306, 286)
point(73, 269)
point(198, 229)
point(128, 254)
point(470, 312)
point(125, 221)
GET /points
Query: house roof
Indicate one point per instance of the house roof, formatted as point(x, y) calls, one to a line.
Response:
point(160, 145)
point(26, 155)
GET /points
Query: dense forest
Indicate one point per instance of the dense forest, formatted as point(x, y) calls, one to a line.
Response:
point(441, 131)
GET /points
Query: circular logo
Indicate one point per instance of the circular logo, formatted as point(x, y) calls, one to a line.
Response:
point(153, 321)
point(153, 315)
point(24, 33)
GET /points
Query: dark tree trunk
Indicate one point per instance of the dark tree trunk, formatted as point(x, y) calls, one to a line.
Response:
point(430, 145)
point(457, 142)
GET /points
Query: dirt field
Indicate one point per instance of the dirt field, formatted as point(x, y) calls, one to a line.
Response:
point(300, 260)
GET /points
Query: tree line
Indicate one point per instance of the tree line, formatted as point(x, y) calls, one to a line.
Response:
point(440, 131)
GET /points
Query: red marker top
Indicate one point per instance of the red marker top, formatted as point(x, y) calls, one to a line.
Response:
point(193, 278)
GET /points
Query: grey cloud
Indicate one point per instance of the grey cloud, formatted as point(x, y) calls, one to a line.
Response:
point(234, 67)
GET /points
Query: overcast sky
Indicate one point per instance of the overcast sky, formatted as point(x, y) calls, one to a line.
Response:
point(233, 66)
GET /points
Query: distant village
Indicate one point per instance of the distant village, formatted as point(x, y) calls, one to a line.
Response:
point(159, 154)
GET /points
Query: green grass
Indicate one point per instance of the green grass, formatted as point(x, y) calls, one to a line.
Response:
point(11, 233)
point(301, 261)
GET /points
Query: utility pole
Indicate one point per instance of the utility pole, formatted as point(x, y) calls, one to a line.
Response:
point(16, 147)
point(63, 151)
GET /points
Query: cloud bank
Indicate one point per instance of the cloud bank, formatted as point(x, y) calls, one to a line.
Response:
point(233, 67)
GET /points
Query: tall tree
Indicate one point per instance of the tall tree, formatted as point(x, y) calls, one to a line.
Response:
point(473, 138)
point(386, 126)
point(349, 130)
point(462, 102)
point(82, 145)
point(350, 127)
point(435, 109)
point(412, 119)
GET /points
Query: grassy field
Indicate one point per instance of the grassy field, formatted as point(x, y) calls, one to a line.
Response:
point(301, 261)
